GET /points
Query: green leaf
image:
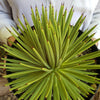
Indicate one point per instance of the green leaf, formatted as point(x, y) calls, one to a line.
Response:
point(62, 90)
point(49, 90)
point(60, 14)
point(40, 58)
point(38, 91)
point(55, 89)
point(67, 24)
point(80, 75)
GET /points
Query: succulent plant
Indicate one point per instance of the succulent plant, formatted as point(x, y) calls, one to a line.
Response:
point(45, 61)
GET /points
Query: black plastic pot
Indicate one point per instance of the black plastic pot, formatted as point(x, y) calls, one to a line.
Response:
point(97, 60)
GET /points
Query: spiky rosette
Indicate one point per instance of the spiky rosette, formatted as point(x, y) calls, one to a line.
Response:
point(45, 61)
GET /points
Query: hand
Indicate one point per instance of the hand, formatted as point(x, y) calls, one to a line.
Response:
point(5, 35)
point(11, 38)
point(97, 44)
point(93, 39)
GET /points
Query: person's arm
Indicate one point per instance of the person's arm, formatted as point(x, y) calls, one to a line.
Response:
point(96, 21)
point(5, 21)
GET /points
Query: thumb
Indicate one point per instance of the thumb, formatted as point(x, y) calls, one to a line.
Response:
point(9, 40)
point(5, 34)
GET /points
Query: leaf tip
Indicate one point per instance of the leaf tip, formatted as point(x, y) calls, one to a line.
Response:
point(31, 6)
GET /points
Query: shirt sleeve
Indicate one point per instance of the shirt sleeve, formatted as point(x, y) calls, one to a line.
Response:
point(96, 21)
point(5, 14)
point(5, 20)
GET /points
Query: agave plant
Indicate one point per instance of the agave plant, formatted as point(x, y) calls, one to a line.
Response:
point(45, 61)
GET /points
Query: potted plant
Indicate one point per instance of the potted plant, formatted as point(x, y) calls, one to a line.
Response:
point(47, 62)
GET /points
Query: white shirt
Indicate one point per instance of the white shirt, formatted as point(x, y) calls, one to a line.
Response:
point(13, 8)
